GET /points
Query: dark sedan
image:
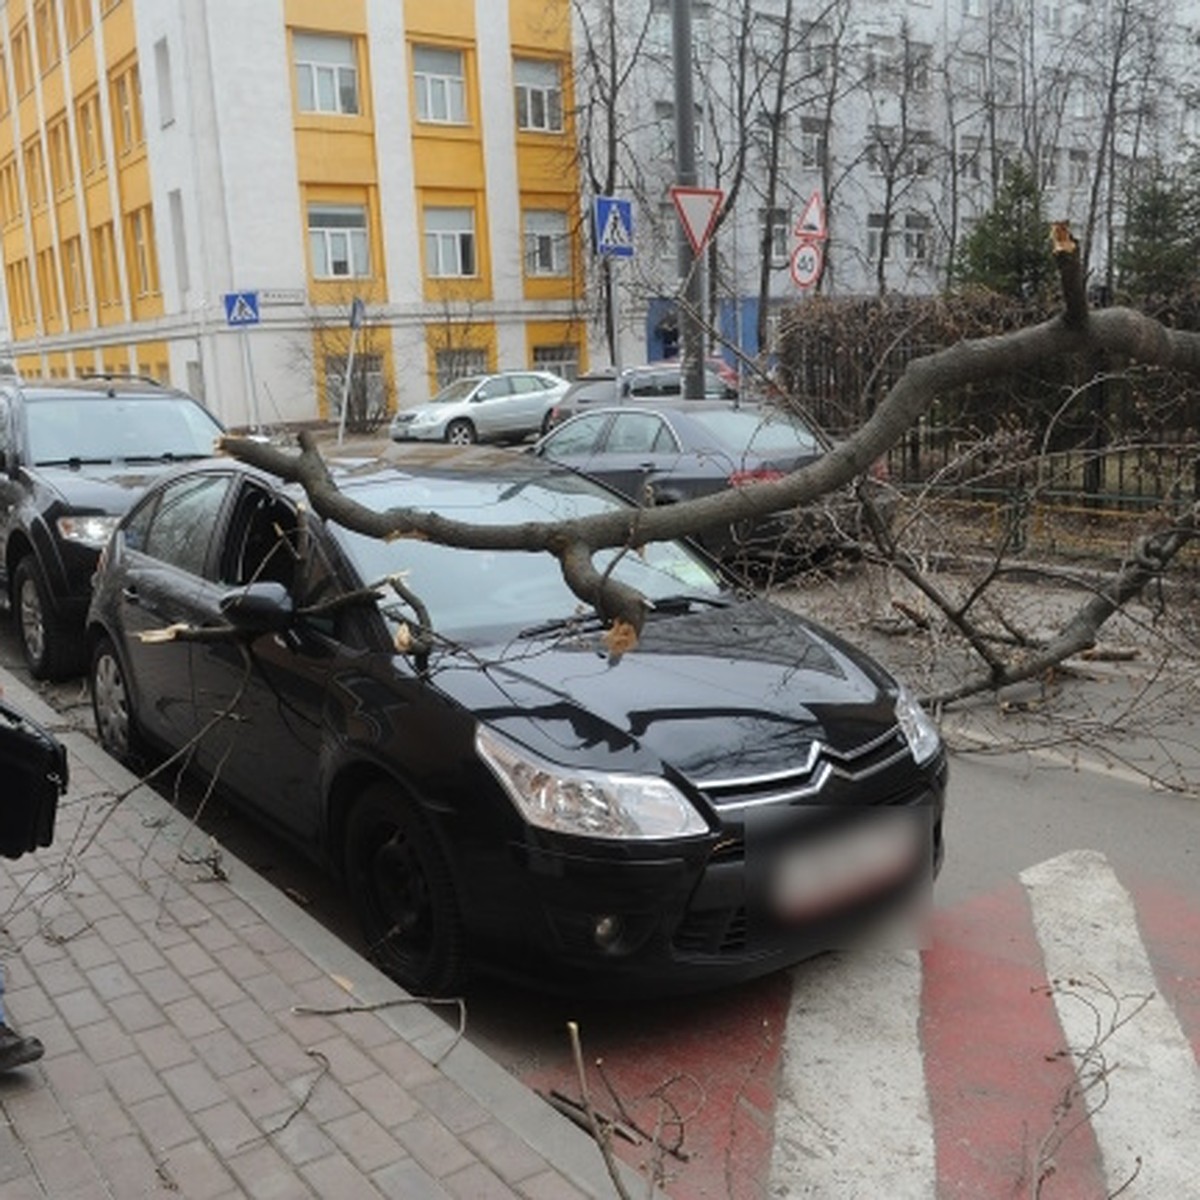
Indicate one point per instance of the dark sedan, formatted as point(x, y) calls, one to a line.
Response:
point(741, 791)
point(665, 451)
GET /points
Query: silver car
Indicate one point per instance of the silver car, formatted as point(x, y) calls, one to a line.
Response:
point(507, 406)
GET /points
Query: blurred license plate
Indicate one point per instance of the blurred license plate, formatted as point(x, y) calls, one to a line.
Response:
point(835, 869)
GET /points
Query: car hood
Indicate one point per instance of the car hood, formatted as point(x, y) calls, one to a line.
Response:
point(717, 694)
point(100, 487)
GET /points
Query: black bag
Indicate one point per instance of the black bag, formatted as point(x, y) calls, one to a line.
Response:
point(33, 774)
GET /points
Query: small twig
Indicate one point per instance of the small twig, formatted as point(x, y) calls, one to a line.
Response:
point(309, 1010)
point(603, 1142)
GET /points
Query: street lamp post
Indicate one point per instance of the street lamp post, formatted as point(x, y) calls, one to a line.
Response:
point(692, 333)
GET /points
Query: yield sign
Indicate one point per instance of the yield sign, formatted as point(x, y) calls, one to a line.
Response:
point(698, 209)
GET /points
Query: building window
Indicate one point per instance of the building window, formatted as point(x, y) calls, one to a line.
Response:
point(127, 110)
point(143, 262)
point(368, 381)
point(774, 225)
point(562, 360)
point(162, 71)
point(20, 293)
point(546, 242)
point(91, 148)
point(104, 256)
point(812, 143)
point(877, 241)
point(10, 190)
point(440, 85)
point(917, 59)
point(449, 242)
point(326, 73)
point(1077, 168)
point(456, 362)
point(44, 18)
point(916, 238)
point(79, 20)
point(539, 95)
point(35, 183)
point(337, 239)
point(48, 284)
point(179, 239)
point(59, 140)
point(881, 150)
point(22, 63)
point(76, 281)
point(3, 84)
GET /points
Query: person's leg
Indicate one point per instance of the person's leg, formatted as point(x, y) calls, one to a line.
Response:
point(15, 1050)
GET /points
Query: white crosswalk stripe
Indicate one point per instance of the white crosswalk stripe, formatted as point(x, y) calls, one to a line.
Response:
point(853, 1116)
point(1146, 1102)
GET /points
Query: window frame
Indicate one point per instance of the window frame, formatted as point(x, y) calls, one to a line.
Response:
point(460, 244)
point(427, 84)
point(356, 239)
point(529, 94)
point(536, 242)
point(340, 75)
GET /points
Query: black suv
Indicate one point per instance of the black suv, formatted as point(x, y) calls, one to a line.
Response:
point(74, 455)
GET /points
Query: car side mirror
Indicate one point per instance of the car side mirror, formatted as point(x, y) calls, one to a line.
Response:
point(264, 607)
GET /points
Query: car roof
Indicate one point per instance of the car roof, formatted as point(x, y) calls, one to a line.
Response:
point(96, 386)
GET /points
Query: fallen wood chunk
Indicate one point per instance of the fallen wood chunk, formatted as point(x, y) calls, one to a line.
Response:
point(1110, 653)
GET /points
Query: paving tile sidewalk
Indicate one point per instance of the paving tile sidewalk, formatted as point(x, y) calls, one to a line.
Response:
point(179, 1062)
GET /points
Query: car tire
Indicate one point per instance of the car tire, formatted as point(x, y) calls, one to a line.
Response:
point(112, 708)
point(401, 887)
point(53, 648)
point(460, 433)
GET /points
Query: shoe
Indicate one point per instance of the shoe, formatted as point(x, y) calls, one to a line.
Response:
point(16, 1051)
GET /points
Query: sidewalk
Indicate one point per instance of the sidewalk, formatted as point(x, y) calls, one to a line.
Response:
point(180, 1061)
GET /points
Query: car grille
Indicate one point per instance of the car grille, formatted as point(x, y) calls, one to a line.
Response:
point(823, 766)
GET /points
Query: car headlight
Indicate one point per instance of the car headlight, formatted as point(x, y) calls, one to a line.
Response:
point(598, 804)
point(91, 531)
point(919, 731)
point(425, 418)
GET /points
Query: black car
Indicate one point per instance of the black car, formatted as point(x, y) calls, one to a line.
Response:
point(740, 791)
point(664, 452)
point(73, 456)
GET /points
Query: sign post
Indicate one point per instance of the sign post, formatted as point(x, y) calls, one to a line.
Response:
point(241, 311)
point(614, 239)
point(358, 314)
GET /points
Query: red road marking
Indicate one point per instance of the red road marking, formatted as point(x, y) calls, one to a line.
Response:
point(718, 1057)
point(991, 1039)
point(1170, 927)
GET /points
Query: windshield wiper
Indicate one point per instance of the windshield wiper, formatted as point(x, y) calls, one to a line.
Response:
point(576, 623)
point(75, 460)
point(167, 456)
point(682, 602)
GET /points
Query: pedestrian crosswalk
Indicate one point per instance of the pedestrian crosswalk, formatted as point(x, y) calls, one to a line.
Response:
point(1046, 1043)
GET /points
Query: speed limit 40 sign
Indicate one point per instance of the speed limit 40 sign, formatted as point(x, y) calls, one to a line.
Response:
point(807, 260)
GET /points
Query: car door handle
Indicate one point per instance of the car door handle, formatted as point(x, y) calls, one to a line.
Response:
point(130, 595)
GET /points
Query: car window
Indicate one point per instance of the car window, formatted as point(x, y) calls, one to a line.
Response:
point(478, 592)
point(262, 542)
point(116, 428)
point(5, 435)
point(592, 391)
point(456, 390)
point(177, 527)
point(643, 384)
point(634, 433)
point(749, 430)
point(575, 437)
point(527, 383)
point(494, 389)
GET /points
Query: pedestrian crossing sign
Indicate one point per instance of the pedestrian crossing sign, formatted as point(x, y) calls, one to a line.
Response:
point(241, 308)
point(614, 227)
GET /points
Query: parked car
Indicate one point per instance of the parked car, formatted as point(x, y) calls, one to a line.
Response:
point(664, 451)
point(651, 381)
point(73, 456)
point(741, 791)
point(508, 406)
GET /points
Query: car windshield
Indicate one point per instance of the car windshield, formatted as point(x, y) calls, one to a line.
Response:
point(460, 389)
point(758, 431)
point(118, 429)
point(477, 594)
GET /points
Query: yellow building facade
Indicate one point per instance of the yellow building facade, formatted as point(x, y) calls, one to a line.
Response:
point(204, 192)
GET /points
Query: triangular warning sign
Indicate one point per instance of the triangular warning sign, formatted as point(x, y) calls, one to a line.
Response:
point(698, 209)
point(615, 234)
point(812, 220)
point(242, 312)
